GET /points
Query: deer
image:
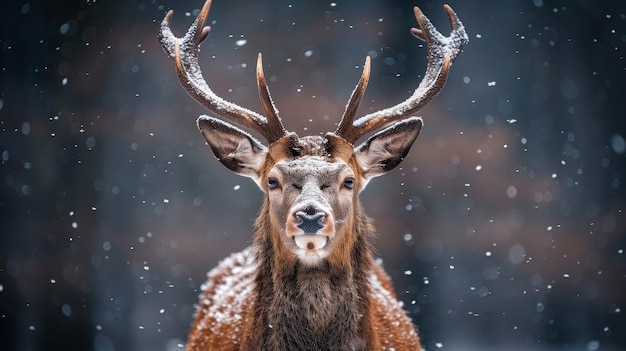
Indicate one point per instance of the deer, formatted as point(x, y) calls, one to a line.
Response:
point(309, 280)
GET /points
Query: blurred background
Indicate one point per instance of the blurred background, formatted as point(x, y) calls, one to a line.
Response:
point(504, 229)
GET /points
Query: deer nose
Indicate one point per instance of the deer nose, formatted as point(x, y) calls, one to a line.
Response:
point(310, 221)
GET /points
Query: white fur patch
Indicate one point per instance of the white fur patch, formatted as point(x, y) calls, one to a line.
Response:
point(311, 248)
point(310, 242)
point(244, 151)
point(371, 159)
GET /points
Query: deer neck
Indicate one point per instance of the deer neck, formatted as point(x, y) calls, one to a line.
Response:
point(302, 307)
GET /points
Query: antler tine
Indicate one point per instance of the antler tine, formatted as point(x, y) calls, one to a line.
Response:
point(275, 129)
point(442, 51)
point(184, 52)
point(345, 125)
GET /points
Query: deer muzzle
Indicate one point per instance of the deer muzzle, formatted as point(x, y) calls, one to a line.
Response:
point(310, 227)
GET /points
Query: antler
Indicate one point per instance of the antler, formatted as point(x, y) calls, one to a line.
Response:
point(442, 51)
point(184, 52)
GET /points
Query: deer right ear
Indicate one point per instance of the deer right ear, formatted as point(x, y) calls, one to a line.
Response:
point(236, 149)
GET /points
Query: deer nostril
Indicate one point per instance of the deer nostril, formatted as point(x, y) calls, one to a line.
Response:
point(310, 221)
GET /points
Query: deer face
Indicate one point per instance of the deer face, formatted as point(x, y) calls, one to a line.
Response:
point(310, 200)
point(312, 183)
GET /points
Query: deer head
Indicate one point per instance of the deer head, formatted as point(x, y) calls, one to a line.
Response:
point(315, 285)
point(312, 182)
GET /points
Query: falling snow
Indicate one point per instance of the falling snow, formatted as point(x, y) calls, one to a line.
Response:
point(502, 228)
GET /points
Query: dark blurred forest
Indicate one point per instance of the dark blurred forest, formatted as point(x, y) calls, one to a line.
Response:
point(504, 229)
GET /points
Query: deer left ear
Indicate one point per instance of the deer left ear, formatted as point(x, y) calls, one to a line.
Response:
point(236, 149)
point(384, 150)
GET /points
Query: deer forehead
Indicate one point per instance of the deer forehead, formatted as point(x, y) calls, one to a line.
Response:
point(312, 168)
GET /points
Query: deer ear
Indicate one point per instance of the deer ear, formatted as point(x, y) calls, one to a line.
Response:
point(384, 150)
point(236, 149)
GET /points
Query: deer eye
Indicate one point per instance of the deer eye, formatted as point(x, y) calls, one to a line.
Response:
point(348, 183)
point(272, 183)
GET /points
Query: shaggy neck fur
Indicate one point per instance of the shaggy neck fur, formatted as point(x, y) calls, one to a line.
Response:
point(312, 308)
